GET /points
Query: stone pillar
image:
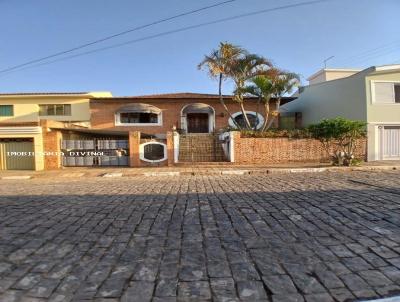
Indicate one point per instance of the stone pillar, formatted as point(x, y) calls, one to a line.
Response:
point(134, 145)
point(170, 148)
point(52, 149)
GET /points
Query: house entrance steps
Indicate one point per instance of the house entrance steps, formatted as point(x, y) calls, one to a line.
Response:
point(200, 148)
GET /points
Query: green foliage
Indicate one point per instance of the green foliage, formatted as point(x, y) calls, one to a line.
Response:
point(277, 133)
point(338, 137)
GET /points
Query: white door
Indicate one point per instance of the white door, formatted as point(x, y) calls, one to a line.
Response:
point(390, 142)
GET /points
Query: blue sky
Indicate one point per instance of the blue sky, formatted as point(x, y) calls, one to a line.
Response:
point(359, 33)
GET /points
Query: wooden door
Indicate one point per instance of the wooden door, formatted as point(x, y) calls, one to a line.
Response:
point(197, 122)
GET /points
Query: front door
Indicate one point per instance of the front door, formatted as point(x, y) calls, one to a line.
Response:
point(197, 122)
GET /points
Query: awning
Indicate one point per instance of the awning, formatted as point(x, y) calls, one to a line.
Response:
point(198, 108)
point(140, 107)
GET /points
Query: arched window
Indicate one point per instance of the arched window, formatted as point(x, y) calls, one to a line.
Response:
point(153, 152)
point(256, 120)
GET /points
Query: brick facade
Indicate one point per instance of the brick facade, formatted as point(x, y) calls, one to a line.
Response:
point(103, 113)
point(283, 150)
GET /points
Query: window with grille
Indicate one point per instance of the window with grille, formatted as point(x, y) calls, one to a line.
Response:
point(138, 118)
point(153, 152)
point(6, 110)
point(256, 120)
point(54, 109)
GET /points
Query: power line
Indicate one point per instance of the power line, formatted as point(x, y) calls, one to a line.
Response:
point(177, 31)
point(371, 53)
point(117, 35)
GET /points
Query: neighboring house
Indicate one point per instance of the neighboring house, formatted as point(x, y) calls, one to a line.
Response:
point(21, 115)
point(186, 112)
point(371, 95)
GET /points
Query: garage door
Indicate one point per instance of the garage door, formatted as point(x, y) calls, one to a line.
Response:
point(17, 161)
point(390, 143)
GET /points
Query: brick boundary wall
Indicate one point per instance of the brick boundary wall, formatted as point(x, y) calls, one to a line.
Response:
point(52, 143)
point(284, 150)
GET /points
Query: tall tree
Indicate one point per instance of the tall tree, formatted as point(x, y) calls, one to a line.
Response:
point(261, 86)
point(243, 69)
point(219, 64)
point(283, 82)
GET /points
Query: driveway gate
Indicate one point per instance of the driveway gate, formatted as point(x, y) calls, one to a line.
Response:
point(95, 152)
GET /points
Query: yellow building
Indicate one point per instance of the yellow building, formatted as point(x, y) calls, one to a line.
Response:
point(21, 133)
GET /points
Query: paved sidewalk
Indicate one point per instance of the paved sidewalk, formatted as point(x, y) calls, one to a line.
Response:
point(197, 169)
point(306, 237)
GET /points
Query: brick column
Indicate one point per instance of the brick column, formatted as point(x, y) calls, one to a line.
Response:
point(170, 148)
point(134, 144)
point(52, 144)
point(235, 147)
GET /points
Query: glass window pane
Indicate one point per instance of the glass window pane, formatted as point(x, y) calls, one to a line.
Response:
point(6, 110)
point(42, 109)
point(240, 120)
point(67, 109)
point(138, 118)
point(397, 93)
point(59, 109)
point(51, 110)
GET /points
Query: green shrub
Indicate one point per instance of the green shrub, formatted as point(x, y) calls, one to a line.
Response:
point(277, 133)
point(338, 136)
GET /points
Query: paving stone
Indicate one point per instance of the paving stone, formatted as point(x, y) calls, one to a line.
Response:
point(6, 283)
point(319, 298)
point(194, 290)
point(288, 298)
point(201, 238)
point(308, 284)
point(251, 291)
point(384, 252)
point(44, 288)
point(166, 288)
point(138, 291)
point(355, 282)
point(341, 294)
point(223, 289)
point(279, 284)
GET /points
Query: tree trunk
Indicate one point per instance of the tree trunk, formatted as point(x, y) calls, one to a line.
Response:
point(278, 104)
point(248, 125)
point(257, 110)
point(221, 100)
point(266, 114)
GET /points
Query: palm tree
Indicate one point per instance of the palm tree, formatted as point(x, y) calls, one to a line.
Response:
point(261, 87)
point(283, 83)
point(243, 69)
point(219, 64)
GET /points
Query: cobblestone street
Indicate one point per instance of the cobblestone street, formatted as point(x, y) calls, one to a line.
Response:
point(282, 238)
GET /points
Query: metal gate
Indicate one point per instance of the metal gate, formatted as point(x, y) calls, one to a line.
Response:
point(390, 142)
point(16, 154)
point(95, 152)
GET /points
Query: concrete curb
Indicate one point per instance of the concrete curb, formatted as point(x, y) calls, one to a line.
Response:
point(204, 172)
point(112, 175)
point(16, 177)
point(161, 174)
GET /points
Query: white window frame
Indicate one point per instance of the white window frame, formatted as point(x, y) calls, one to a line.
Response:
point(51, 104)
point(118, 121)
point(141, 152)
point(260, 118)
point(373, 99)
